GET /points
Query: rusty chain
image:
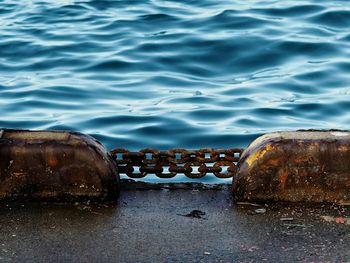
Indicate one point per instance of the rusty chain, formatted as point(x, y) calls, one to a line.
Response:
point(167, 164)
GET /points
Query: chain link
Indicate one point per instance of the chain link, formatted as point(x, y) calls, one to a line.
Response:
point(167, 164)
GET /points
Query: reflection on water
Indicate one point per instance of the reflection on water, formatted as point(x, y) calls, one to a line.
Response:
point(168, 74)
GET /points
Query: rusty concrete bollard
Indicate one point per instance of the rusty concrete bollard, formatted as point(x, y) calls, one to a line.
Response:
point(58, 165)
point(295, 166)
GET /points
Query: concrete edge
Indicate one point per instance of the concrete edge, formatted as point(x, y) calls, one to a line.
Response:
point(132, 185)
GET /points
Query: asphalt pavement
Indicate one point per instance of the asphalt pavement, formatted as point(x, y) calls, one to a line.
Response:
point(200, 225)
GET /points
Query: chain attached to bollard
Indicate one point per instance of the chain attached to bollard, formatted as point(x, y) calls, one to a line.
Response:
point(167, 164)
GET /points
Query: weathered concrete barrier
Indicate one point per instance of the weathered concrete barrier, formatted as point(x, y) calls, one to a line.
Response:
point(295, 166)
point(55, 165)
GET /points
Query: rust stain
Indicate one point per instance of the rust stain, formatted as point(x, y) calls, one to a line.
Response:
point(273, 162)
point(18, 174)
point(283, 176)
point(258, 154)
point(343, 148)
point(52, 162)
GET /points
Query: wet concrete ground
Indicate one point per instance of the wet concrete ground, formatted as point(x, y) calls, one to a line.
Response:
point(172, 226)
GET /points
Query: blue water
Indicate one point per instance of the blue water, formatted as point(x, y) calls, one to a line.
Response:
point(166, 74)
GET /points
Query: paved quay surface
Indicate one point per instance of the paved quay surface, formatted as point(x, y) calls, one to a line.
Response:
point(172, 226)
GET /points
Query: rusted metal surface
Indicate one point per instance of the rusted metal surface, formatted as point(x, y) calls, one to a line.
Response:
point(286, 166)
point(55, 165)
point(295, 166)
point(167, 164)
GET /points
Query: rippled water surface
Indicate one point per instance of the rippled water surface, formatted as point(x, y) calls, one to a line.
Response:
point(168, 74)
